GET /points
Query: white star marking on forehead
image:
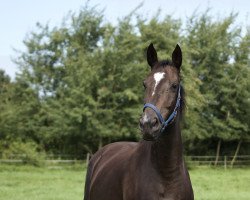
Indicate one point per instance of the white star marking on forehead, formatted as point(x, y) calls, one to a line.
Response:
point(158, 77)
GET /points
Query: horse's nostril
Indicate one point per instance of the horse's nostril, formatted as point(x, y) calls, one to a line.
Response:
point(154, 122)
point(141, 123)
point(147, 123)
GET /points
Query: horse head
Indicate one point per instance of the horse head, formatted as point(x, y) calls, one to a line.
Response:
point(162, 93)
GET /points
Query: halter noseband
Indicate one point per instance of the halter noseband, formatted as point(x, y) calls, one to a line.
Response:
point(158, 113)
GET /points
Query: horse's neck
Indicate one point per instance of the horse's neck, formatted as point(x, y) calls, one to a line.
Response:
point(167, 153)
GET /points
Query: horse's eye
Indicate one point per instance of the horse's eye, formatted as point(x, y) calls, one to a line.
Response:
point(174, 86)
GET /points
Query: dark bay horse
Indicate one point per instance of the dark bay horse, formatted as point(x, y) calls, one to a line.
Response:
point(153, 168)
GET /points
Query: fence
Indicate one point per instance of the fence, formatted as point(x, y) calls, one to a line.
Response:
point(226, 161)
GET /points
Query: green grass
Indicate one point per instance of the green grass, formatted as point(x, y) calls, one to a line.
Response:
point(32, 183)
point(67, 183)
point(217, 183)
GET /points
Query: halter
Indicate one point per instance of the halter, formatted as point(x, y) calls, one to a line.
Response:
point(158, 113)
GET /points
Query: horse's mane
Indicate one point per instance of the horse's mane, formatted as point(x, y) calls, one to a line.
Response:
point(183, 101)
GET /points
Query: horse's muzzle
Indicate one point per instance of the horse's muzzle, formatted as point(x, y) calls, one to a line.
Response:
point(149, 126)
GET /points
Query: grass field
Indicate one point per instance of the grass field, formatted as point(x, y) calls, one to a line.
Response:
point(67, 183)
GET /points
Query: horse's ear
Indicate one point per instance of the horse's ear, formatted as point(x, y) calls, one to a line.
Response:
point(151, 55)
point(177, 56)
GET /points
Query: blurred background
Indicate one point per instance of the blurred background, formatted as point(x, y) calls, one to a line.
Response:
point(71, 76)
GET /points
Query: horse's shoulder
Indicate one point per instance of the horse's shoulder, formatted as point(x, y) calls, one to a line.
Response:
point(113, 149)
point(120, 145)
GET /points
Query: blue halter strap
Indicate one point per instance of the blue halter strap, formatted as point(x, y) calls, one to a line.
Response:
point(158, 113)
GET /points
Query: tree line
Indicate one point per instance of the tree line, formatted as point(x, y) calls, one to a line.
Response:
point(79, 85)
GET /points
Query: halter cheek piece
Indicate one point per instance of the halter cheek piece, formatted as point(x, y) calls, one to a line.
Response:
point(158, 113)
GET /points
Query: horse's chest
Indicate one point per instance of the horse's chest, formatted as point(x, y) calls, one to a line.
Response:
point(156, 191)
point(151, 187)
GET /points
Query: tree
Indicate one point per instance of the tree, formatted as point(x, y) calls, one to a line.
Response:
point(212, 49)
point(80, 84)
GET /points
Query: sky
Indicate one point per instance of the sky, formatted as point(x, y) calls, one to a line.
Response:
point(19, 17)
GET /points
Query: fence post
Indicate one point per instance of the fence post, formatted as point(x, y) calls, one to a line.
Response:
point(236, 153)
point(225, 162)
point(217, 153)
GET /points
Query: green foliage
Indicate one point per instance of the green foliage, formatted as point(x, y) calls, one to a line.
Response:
point(28, 152)
point(80, 84)
point(212, 53)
